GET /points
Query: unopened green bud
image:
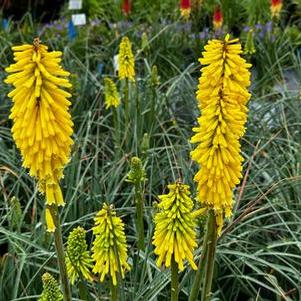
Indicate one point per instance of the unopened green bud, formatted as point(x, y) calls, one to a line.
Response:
point(155, 81)
point(51, 290)
point(137, 172)
point(145, 43)
point(145, 143)
point(249, 46)
point(78, 260)
point(15, 214)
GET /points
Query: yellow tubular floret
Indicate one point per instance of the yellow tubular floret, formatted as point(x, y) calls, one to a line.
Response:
point(222, 95)
point(42, 123)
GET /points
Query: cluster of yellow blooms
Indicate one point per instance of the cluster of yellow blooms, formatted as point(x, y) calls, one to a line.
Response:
point(222, 95)
point(175, 235)
point(126, 61)
point(42, 122)
point(109, 247)
point(112, 98)
point(42, 128)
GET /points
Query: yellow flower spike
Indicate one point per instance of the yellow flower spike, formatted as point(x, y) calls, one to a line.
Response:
point(126, 60)
point(175, 234)
point(222, 95)
point(42, 123)
point(112, 98)
point(49, 220)
point(109, 249)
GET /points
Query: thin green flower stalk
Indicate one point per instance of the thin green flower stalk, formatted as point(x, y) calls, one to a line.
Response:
point(109, 249)
point(137, 176)
point(15, 213)
point(51, 290)
point(78, 259)
point(175, 235)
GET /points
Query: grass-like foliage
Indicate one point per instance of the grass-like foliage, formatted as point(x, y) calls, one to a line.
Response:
point(259, 250)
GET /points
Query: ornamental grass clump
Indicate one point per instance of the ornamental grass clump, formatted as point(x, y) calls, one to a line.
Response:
point(51, 290)
point(78, 259)
point(42, 123)
point(109, 247)
point(222, 97)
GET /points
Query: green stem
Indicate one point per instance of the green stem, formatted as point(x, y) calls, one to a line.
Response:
point(139, 215)
point(201, 267)
point(174, 280)
point(114, 291)
point(60, 254)
point(206, 293)
point(126, 104)
point(116, 130)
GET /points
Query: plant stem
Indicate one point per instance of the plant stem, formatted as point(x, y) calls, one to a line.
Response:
point(206, 293)
point(116, 130)
point(174, 280)
point(139, 216)
point(126, 104)
point(201, 267)
point(60, 254)
point(114, 291)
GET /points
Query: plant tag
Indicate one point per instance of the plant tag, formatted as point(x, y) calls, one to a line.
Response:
point(75, 4)
point(115, 63)
point(79, 19)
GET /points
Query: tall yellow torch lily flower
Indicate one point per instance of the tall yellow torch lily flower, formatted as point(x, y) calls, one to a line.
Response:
point(222, 95)
point(42, 123)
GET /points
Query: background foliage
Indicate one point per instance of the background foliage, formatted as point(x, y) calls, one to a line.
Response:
point(259, 252)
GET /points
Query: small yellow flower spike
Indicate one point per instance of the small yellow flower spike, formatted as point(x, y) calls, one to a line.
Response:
point(78, 260)
point(51, 290)
point(49, 220)
point(112, 98)
point(175, 234)
point(42, 123)
point(126, 61)
point(109, 247)
point(222, 95)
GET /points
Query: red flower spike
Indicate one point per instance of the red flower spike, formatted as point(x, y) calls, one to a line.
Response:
point(126, 7)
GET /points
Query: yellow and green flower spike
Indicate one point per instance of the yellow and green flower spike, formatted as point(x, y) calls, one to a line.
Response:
point(175, 235)
point(78, 259)
point(222, 97)
point(126, 60)
point(109, 247)
point(112, 98)
point(51, 290)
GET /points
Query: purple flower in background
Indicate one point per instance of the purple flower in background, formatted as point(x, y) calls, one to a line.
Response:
point(247, 28)
point(96, 22)
point(269, 26)
point(202, 35)
point(258, 26)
